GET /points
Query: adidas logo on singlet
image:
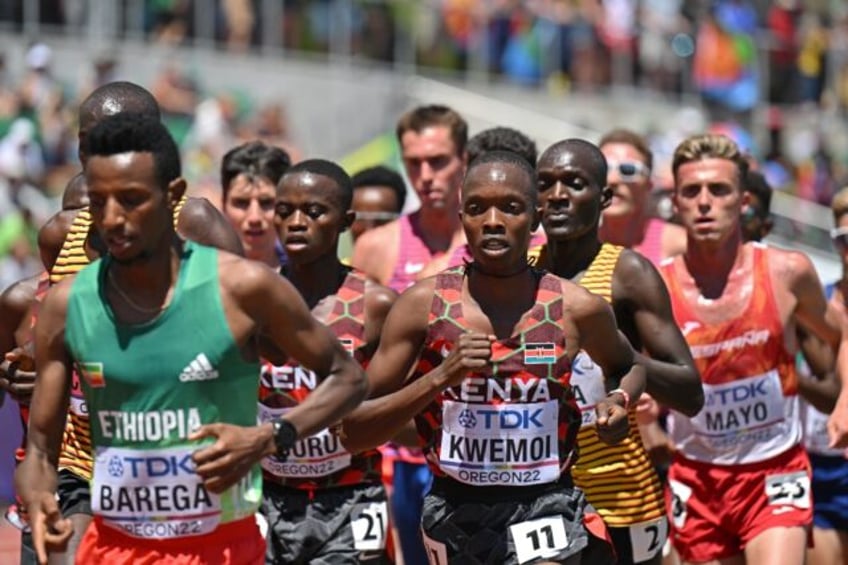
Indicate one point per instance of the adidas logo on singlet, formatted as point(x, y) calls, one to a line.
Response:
point(199, 370)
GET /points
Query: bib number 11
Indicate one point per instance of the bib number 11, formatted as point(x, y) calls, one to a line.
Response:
point(540, 538)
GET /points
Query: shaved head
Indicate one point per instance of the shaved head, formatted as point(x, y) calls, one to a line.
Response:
point(571, 152)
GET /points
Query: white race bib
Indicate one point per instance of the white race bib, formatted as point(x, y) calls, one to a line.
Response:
point(153, 494)
point(500, 444)
point(369, 522)
point(587, 380)
point(743, 412)
point(647, 539)
point(789, 489)
point(538, 539)
point(316, 456)
point(680, 494)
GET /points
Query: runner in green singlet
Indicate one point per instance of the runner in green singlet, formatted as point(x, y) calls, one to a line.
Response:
point(164, 332)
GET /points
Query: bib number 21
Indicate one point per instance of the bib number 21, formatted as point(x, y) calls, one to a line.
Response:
point(369, 522)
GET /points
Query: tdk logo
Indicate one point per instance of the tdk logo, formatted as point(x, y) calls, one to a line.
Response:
point(511, 419)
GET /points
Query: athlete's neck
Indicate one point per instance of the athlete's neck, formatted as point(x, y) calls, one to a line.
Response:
point(710, 265)
point(502, 299)
point(438, 229)
point(626, 231)
point(317, 279)
point(148, 280)
point(569, 258)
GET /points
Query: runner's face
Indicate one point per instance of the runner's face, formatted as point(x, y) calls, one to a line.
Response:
point(569, 195)
point(434, 167)
point(629, 192)
point(309, 216)
point(129, 209)
point(709, 199)
point(249, 206)
point(374, 206)
point(498, 217)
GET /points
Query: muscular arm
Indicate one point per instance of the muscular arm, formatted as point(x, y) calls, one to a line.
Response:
point(823, 390)
point(378, 303)
point(36, 476)
point(641, 300)
point(278, 309)
point(812, 310)
point(201, 222)
point(602, 341)
point(51, 236)
point(378, 420)
point(15, 302)
point(370, 253)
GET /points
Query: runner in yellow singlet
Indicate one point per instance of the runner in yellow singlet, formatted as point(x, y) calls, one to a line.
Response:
point(619, 480)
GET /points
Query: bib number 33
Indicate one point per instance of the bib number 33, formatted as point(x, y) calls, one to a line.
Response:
point(540, 538)
point(789, 489)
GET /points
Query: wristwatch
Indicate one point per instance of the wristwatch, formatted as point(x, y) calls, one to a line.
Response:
point(285, 436)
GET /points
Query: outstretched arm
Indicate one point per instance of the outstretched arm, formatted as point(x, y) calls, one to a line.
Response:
point(640, 295)
point(35, 479)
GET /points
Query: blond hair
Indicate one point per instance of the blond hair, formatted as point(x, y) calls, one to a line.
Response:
point(839, 204)
point(709, 146)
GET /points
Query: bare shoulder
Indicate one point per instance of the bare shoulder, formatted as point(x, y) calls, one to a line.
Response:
point(415, 302)
point(243, 276)
point(673, 239)
point(18, 296)
point(788, 265)
point(580, 303)
point(634, 276)
point(378, 297)
point(56, 299)
point(195, 213)
point(374, 242)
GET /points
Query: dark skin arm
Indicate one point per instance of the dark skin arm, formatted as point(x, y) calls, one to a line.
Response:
point(257, 298)
point(378, 420)
point(643, 308)
point(35, 478)
point(822, 391)
point(51, 236)
point(16, 378)
point(610, 350)
point(201, 222)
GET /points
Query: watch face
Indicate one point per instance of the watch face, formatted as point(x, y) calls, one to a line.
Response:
point(285, 434)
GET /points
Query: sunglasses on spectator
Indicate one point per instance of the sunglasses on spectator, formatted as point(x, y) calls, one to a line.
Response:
point(629, 171)
point(839, 236)
point(377, 216)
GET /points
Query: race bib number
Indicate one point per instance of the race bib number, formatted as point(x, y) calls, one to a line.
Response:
point(153, 494)
point(789, 489)
point(538, 539)
point(316, 456)
point(437, 552)
point(587, 381)
point(742, 412)
point(680, 494)
point(505, 444)
point(369, 522)
point(647, 539)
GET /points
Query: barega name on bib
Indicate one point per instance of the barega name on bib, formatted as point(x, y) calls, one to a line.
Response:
point(152, 494)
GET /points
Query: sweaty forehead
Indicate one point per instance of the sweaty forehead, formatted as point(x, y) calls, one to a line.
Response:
point(504, 175)
point(309, 184)
point(574, 159)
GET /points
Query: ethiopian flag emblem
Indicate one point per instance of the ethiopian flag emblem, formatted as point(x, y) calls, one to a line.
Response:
point(93, 374)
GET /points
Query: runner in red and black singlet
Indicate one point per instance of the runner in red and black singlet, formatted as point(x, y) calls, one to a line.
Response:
point(323, 503)
point(491, 393)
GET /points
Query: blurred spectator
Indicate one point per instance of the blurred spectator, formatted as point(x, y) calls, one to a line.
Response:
point(812, 58)
point(20, 263)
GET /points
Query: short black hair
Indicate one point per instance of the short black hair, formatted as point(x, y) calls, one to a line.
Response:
point(116, 97)
point(135, 133)
point(756, 183)
point(591, 156)
point(328, 169)
point(502, 139)
point(254, 159)
point(382, 176)
point(509, 158)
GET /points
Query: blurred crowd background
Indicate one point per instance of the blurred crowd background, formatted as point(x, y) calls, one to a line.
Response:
point(743, 67)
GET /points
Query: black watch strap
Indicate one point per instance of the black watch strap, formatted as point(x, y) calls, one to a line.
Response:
point(285, 436)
